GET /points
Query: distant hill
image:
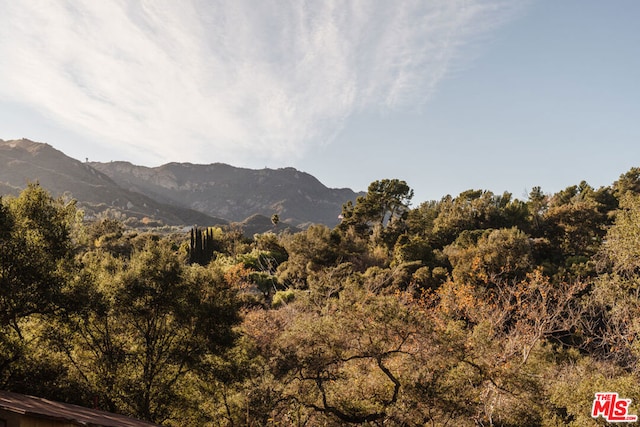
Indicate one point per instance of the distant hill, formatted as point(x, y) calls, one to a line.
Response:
point(234, 193)
point(175, 193)
point(23, 161)
point(259, 224)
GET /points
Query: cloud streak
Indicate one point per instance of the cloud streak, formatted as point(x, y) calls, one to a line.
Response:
point(229, 80)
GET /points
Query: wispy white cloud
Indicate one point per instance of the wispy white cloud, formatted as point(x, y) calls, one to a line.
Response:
point(228, 80)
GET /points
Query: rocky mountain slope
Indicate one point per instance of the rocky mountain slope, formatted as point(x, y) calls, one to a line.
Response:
point(23, 161)
point(175, 193)
point(234, 193)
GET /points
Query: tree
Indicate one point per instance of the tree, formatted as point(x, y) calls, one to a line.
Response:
point(621, 247)
point(309, 251)
point(386, 201)
point(575, 229)
point(204, 243)
point(537, 206)
point(474, 210)
point(381, 214)
point(36, 255)
point(628, 182)
point(615, 301)
point(503, 340)
point(489, 256)
point(342, 359)
point(37, 271)
point(149, 326)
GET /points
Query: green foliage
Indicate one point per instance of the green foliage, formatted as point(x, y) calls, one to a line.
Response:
point(628, 182)
point(269, 243)
point(283, 297)
point(203, 244)
point(574, 229)
point(384, 208)
point(621, 249)
point(36, 254)
point(471, 210)
point(487, 256)
point(37, 272)
point(107, 234)
point(150, 322)
point(474, 310)
point(308, 252)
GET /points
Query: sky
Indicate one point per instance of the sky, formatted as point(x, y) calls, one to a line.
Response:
point(448, 95)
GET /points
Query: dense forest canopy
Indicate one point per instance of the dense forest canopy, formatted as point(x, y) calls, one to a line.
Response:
point(479, 309)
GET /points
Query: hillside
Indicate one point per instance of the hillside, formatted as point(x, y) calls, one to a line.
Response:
point(175, 193)
point(23, 161)
point(477, 309)
point(234, 193)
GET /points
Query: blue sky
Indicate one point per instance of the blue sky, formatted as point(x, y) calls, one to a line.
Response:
point(448, 95)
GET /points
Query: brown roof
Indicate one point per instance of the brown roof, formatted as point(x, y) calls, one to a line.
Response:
point(43, 408)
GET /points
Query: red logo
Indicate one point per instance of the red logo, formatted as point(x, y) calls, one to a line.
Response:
point(612, 408)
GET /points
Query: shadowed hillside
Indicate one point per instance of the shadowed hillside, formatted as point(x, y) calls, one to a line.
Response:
point(23, 161)
point(175, 193)
point(234, 193)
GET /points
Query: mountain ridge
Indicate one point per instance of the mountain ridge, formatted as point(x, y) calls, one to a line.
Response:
point(24, 161)
point(296, 196)
point(173, 193)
